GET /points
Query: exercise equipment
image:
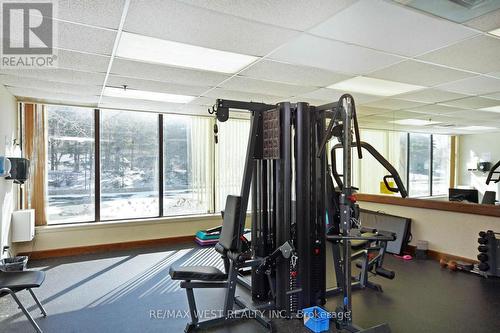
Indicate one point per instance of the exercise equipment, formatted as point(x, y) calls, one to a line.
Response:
point(210, 277)
point(293, 198)
point(489, 256)
point(368, 257)
point(493, 172)
point(401, 226)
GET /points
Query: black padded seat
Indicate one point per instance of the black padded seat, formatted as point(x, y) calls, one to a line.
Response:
point(16, 281)
point(197, 273)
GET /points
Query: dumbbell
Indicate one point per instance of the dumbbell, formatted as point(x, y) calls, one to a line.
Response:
point(482, 248)
point(483, 266)
point(452, 265)
point(482, 257)
point(482, 240)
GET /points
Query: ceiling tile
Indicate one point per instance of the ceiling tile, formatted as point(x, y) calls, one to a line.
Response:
point(278, 12)
point(86, 39)
point(403, 114)
point(476, 115)
point(156, 86)
point(336, 56)
point(82, 61)
point(92, 12)
point(332, 95)
point(478, 54)
point(472, 103)
point(45, 96)
point(436, 109)
point(146, 71)
point(419, 73)
point(398, 30)
point(293, 74)
point(56, 87)
point(454, 10)
point(486, 22)
point(477, 85)
point(393, 104)
point(364, 111)
point(430, 96)
point(180, 22)
point(243, 96)
point(264, 87)
point(495, 74)
point(59, 75)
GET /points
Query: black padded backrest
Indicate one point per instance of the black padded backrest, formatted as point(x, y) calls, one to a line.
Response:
point(231, 230)
point(489, 198)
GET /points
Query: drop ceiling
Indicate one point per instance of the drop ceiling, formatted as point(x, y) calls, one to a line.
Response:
point(301, 48)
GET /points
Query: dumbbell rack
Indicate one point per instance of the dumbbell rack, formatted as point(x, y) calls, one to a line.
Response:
point(489, 253)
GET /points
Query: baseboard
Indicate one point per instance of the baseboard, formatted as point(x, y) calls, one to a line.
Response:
point(436, 255)
point(74, 251)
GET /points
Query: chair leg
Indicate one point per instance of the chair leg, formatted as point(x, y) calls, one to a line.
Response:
point(44, 313)
point(26, 313)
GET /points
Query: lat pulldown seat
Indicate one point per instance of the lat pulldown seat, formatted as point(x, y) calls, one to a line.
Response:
point(210, 277)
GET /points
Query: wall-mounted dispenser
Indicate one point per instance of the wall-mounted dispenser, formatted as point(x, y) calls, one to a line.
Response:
point(4, 166)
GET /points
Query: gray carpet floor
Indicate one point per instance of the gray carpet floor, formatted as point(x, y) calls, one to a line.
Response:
point(124, 291)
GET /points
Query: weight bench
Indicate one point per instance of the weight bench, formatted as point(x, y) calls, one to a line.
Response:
point(13, 282)
point(210, 277)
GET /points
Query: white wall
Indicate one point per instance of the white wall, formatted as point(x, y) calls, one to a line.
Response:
point(89, 234)
point(8, 130)
point(447, 232)
point(471, 149)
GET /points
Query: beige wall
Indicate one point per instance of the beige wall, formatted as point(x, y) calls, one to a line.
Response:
point(88, 234)
point(473, 148)
point(446, 232)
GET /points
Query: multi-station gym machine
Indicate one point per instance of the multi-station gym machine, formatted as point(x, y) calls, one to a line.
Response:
point(295, 207)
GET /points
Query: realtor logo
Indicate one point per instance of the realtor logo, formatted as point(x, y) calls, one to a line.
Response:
point(28, 31)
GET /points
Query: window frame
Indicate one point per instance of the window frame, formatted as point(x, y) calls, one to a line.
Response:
point(161, 165)
point(431, 166)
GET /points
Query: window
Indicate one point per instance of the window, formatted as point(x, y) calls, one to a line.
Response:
point(420, 164)
point(129, 165)
point(187, 168)
point(441, 145)
point(230, 161)
point(195, 177)
point(70, 164)
point(368, 173)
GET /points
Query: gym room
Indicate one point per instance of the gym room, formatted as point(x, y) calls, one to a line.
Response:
point(250, 166)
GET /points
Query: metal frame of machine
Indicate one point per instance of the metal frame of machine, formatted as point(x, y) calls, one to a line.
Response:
point(286, 170)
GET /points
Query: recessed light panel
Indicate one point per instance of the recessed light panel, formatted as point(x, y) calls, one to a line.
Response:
point(492, 109)
point(495, 32)
point(155, 50)
point(476, 128)
point(371, 86)
point(414, 122)
point(146, 95)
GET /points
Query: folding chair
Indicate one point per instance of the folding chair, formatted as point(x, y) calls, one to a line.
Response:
point(13, 282)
